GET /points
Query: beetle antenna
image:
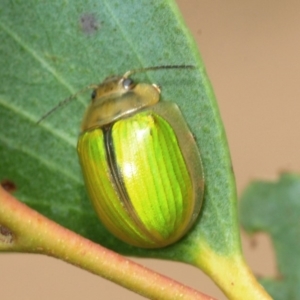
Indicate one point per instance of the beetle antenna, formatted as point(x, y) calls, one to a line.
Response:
point(64, 102)
point(130, 72)
point(126, 75)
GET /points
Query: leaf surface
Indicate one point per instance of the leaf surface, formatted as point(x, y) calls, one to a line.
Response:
point(51, 50)
point(274, 208)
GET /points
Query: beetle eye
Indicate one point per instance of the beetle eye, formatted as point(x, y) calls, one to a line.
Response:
point(128, 83)
point(94, 93)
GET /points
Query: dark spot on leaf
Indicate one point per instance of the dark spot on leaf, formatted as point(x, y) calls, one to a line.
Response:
point(51, 57)
point(89, 24)
point(8, 185)
point(6, 235)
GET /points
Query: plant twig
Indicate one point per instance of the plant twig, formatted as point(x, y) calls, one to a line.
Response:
point(24, 230)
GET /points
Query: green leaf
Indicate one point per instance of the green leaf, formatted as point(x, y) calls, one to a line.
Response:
point(51, 50)
point(274, 208)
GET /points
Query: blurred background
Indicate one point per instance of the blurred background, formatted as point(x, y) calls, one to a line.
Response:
point(251, 52)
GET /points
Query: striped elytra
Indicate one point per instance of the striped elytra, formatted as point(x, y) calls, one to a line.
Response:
point(140, 162)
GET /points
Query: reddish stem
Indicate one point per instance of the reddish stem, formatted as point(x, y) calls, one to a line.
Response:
point(25, 230)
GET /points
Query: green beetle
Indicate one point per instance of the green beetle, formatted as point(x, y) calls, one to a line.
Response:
point(140, 162)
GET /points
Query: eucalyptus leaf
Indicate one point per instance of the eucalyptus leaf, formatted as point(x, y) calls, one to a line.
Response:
point(274, 208)
point(51, 50)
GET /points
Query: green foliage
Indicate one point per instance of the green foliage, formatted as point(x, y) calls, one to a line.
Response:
point(50, 50)
point(274, 208)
